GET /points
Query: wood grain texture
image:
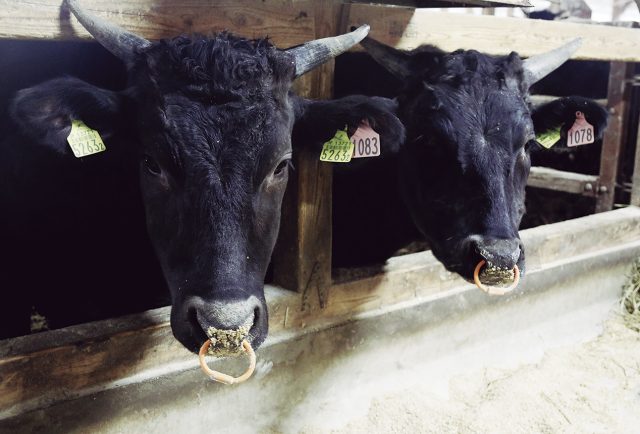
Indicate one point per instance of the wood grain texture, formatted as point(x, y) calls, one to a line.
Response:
point(302, 259)
point(558, 180)
point(408, 28)
point(287, 22)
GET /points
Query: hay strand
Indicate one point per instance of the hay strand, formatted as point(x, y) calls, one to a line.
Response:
point(630, 302)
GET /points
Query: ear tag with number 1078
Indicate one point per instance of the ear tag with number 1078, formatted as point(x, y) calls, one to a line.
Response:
point(84, 140)
point(581, 133)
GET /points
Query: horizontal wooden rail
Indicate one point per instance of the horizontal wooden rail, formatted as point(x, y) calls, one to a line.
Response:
point(408, 28)
point(538, 100)
point(288, 22)
point(448, 3)
point(558, 180)
point(291, 22)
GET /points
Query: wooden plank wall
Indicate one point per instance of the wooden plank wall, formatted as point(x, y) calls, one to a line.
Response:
point(291, 22)
point(408, 28)
point(288, 22)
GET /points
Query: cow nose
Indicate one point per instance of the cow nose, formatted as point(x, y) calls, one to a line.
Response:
point(226, 313)
point(498, 252)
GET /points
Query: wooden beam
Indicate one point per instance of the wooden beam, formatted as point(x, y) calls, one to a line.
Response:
point(287, 22)
point(407, 28)
point(618, 97)
point(538, 100)
point(558, 180)
point(49, 367)
point(447, 3)
point(302, 258)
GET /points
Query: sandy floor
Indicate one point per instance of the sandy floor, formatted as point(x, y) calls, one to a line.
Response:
point(590, 387)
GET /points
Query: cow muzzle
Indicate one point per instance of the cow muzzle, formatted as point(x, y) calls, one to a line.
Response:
point(228, 320)
point(498, 252)
point(496, 262)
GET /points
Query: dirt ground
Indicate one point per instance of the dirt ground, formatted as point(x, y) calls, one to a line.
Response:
point(593, 387)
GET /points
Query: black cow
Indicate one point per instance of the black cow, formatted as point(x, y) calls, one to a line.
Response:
point(211, 119)
point(463, 169)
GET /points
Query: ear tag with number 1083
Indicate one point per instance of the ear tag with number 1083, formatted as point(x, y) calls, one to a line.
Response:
point(366, 142)
point(581, 133)
point(84, 140)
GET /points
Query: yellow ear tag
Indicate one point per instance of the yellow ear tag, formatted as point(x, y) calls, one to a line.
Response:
point(549, 138)
point(83, 140)
point(338, 149)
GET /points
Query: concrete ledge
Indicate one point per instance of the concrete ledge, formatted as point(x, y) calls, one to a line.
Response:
point(50, 368)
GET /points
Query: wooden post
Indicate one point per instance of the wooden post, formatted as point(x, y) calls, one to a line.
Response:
point(618, 95)
point(302, 258)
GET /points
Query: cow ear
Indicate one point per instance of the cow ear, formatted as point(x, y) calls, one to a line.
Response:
point(318, 121)
point(44, 112)
point(560, 115)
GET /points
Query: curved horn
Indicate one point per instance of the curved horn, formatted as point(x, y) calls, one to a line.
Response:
point(315, 53)
point(537, 67)
point(119, 42)
point(394, 61)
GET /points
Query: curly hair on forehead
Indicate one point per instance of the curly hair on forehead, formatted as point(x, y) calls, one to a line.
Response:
point(221, 58)
point(463, 67)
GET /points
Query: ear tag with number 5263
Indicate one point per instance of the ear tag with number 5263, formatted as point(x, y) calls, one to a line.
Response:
point(366, 142)
point(549, 138)
point(581, 133)
point(338, 149)
point(84, 140)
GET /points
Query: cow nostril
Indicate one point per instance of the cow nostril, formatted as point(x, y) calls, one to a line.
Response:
point(498, 252)
point(256, 317)
point(198, 332)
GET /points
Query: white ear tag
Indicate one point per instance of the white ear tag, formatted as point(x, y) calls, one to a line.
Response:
point(581, 133)
point(366, 142)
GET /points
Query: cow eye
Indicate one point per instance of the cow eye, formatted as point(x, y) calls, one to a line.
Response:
point(282, 167)
point(151, 165)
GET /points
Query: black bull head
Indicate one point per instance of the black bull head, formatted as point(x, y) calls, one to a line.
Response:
point(470, 131)
point(215, 117)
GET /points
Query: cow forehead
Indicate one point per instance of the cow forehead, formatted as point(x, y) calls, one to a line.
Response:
point(497, 106)
point(483, 109)
point(223, 62)
point(235, 138)
point(221, 99)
